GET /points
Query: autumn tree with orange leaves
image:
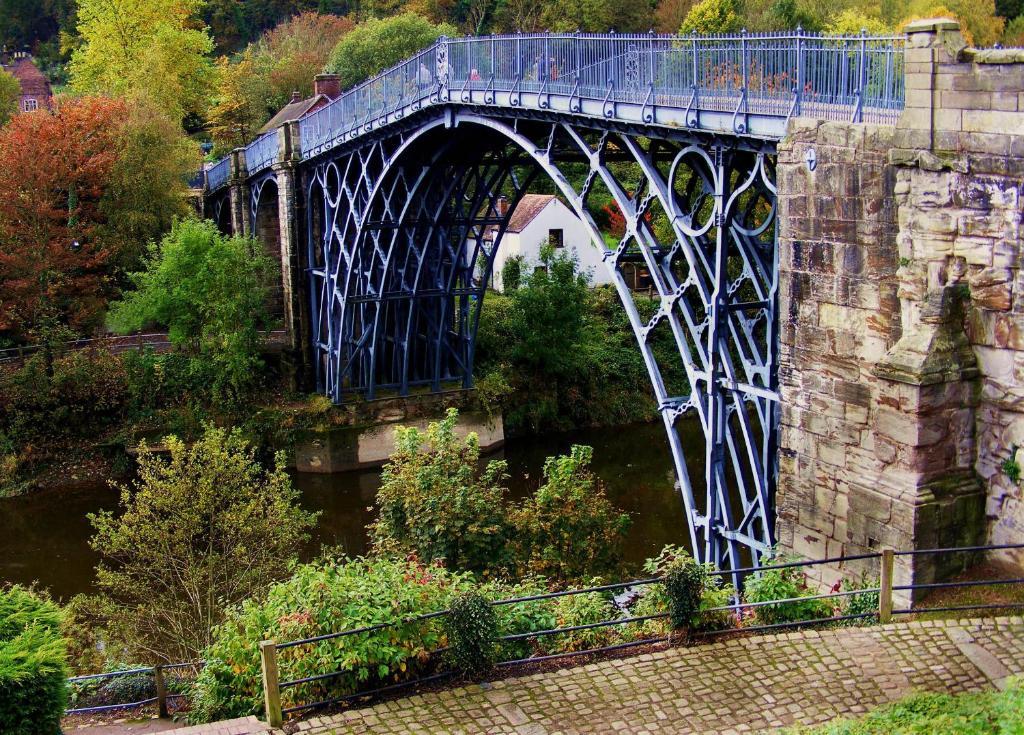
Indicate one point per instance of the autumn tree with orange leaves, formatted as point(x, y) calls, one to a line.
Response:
point(82, 189)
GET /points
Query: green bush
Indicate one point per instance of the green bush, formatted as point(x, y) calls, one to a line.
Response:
point(784, 584)
point(862, 602)
point(325, 597)
point(982, 713)
point(521, 617)
point(33, 673)
point(568, 530)
point(211, 293)
point(585, 609)
point(690, 595)
point(472, 630)
point(435, 500)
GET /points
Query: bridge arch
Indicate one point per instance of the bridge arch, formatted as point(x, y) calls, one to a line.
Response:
point(398, 268)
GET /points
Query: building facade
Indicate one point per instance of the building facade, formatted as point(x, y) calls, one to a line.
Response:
point(35, 87)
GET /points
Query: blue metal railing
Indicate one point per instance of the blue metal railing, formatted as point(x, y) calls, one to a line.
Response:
point(261, 153)
point(657, 79)
point(218, 174)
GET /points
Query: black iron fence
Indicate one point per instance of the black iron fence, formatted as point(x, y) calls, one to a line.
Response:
point(322, 689)
point(156, 689)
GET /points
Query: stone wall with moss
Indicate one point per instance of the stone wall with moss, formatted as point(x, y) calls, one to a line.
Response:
point(902, 299)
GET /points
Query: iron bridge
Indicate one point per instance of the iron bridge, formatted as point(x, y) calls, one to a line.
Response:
point(403, 183)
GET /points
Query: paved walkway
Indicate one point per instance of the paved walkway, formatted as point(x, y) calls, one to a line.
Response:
point(752, 684)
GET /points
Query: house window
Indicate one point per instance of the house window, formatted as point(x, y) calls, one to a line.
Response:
point(31, 104)
point(555, 238)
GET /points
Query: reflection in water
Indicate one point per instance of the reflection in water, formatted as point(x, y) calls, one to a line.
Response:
point(44, 537)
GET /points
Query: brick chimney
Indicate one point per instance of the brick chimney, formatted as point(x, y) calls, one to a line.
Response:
point(296, 97)
point(328, 85)
point(502, 206)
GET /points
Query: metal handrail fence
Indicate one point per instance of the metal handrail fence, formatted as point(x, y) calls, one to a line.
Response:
point(269, 650)
point(857, 78)
point(121, 342)
point(161, 697)
point(261, 153)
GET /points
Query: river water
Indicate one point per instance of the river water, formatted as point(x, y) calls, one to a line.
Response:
point(44, 537)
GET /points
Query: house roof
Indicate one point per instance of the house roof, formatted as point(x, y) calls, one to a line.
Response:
point(33, 82)
point(293, 111)
point(527, 210)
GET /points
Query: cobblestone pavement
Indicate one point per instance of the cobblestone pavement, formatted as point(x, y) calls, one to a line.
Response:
point(751, 684)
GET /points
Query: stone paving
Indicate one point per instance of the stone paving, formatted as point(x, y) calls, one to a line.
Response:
point(751, 684)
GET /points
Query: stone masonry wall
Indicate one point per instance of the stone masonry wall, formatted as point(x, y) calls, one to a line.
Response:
point(902, 302)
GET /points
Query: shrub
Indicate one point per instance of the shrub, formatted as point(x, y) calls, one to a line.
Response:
point(211, 293)
point(33, 674)
point(784, 584)
point(584, 609)
point(434, 500)
point(862, 602)
point(521, 617)
point(690, 595)
point(199, 530)
point(324, 597)
point(472, 630)
point(569, 530)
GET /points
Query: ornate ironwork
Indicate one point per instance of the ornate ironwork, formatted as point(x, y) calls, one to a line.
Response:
point(402, 188)
point(402, 234)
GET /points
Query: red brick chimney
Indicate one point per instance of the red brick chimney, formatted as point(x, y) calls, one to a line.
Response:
point(502, 206)
point(328, 85)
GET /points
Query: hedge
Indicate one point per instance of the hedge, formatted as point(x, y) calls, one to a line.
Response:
point(33, 669)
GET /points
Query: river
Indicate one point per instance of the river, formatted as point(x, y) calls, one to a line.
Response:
point(44, 537)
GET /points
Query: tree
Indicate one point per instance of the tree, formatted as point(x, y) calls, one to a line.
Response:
point(210, 292)
point(376, 45)
point(435, 500)
point(198, 531)
point(81, 189)
point(670, 14)
point(240, 105)
point(978, 20)
point(297, 49)
point(153, 49)
point(851, 22)
point(520, 16)
point(598, 16)
point(711, 17)
point(789, 14)
point(10, 93)
point(1014, 34)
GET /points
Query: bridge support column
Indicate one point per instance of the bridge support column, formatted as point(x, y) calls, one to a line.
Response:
point(902, 363)
point(238, 191)
point(291, 214)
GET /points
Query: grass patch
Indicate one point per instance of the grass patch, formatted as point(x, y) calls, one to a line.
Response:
point(985, 713)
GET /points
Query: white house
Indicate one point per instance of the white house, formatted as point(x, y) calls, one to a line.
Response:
point(541, 219)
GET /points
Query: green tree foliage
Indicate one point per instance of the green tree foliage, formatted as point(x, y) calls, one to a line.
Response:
point(790, 14)
point(979, 22)
point(380, 43)
point(198, 531)
point(555, 354)
point(435, 500)
point(784, 584)
point(670, 14)
point(10, 93)
point(153, 49)
point(598, 16)
point(1014, 33)
point(568, 529)
point(33, 672)
point(712, 17)
point(326, 597)
point(851, 22)
point(210, 292)
point(240, 102)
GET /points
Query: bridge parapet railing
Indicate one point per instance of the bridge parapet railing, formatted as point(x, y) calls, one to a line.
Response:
point(309, 689)
point(857, 78)
point(261, 153)
point(218, 174)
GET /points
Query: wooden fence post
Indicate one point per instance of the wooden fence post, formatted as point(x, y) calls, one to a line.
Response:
point(161, 690)
point(271, 687)
point(885, 587)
